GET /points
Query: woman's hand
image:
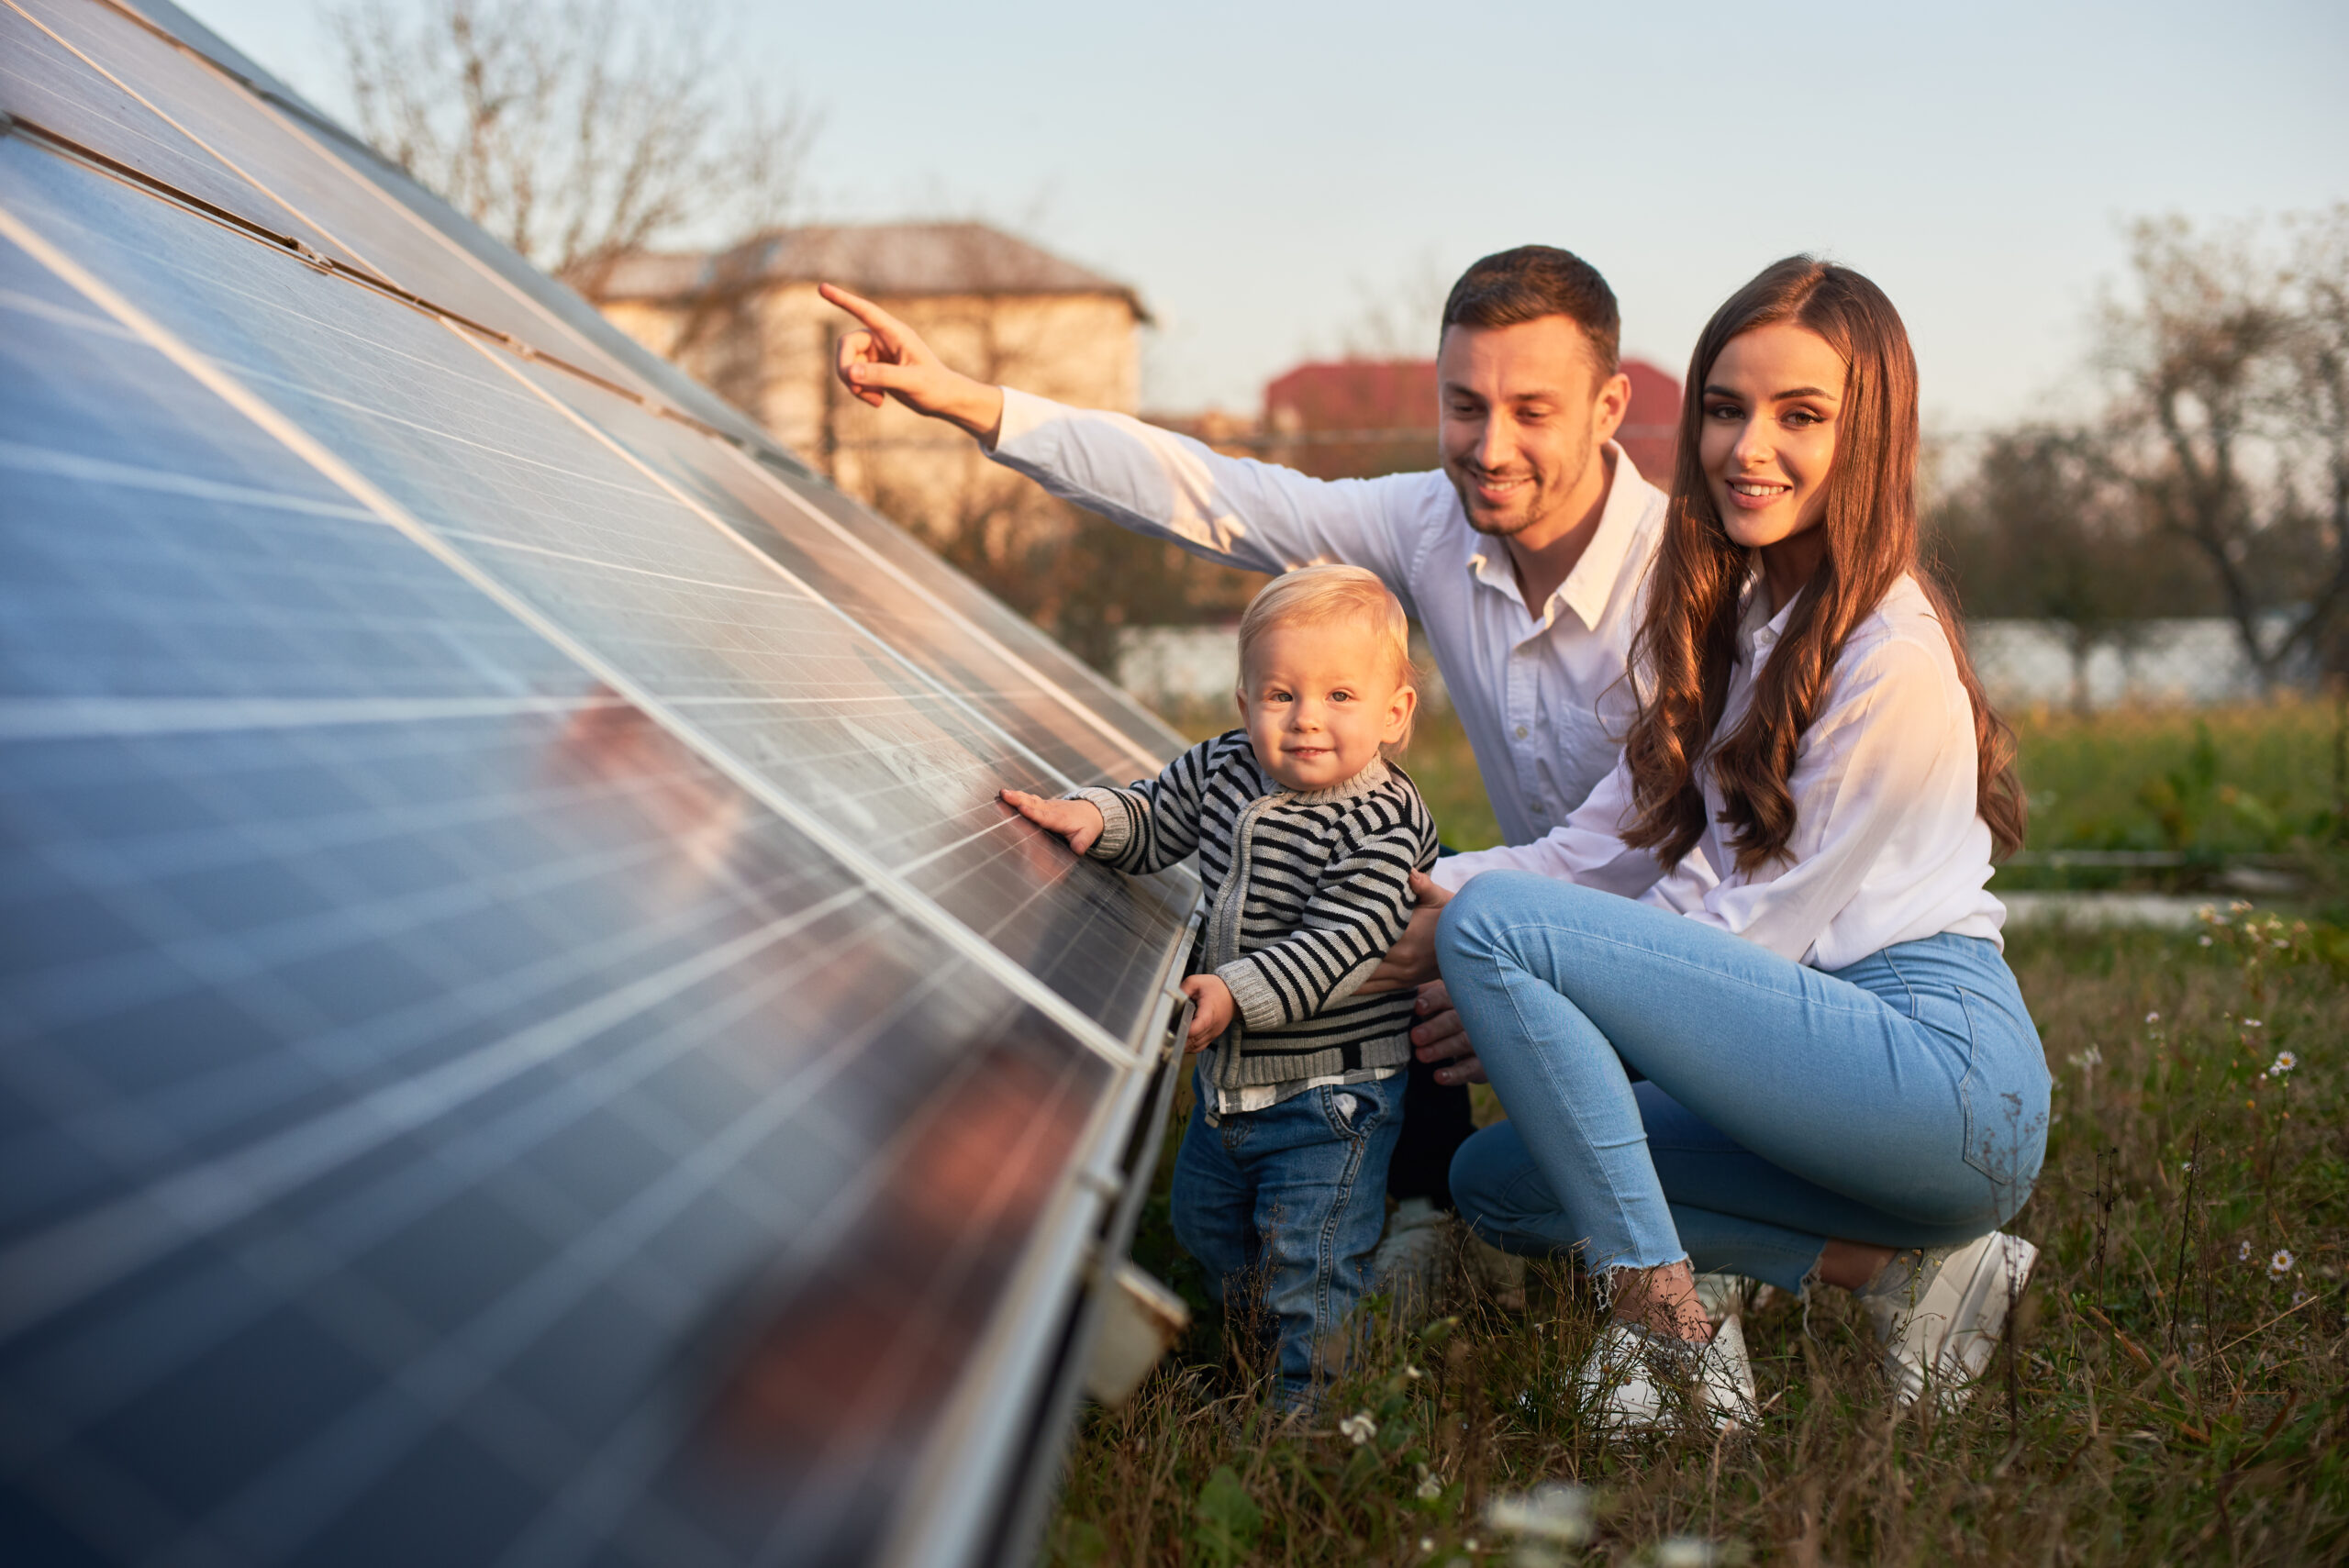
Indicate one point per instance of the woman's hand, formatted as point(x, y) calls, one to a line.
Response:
point(1212, 1015)
point(1078, 821)
point(1440, 1036)
point(887, 359)
point(1411, 960)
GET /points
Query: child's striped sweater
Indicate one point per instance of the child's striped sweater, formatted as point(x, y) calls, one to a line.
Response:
point(1305, 893)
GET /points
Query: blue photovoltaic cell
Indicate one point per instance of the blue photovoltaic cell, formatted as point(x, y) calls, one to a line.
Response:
point(1144, 731)
point(347, 203)
point(1056, 728)
point(442, 1119)
point(786, 683)
point(45, 83)
point(296, 183)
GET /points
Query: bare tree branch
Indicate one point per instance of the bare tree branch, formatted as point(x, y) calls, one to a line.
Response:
point(576, 130)
point(2225, 405)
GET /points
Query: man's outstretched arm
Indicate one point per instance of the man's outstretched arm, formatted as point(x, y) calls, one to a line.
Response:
point(1251, 514)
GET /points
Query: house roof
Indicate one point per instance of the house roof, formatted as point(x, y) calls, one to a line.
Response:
point(884, 259)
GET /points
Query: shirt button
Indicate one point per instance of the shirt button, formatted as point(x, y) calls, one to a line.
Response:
point(1521, 732)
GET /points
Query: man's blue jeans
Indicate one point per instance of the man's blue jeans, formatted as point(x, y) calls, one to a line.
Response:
point(1901, 1102)
point(1290, 1201)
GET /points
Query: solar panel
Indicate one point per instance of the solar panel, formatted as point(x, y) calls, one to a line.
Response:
point(1144, 731)
point(524, 1036)
point(44, 82)
point(292, 180)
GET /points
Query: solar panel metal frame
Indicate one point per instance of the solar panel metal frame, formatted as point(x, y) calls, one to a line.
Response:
point(989, 1466)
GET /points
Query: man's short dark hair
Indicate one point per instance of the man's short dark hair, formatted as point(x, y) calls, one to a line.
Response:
point(1535, 281)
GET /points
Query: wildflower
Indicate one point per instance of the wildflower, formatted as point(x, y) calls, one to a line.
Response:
point(2285, 1061)
point(2205, 941)
point(1414, 1373)
point(2280, 1265)
point(2251, 1023)
point(1685, 1551)
point(1359, 1427)
point(1554, 1511)
point(2152, 1017)
point(1430, 1485)
point(2243, 1253)
point(1427, 1543)
point(2237, 906)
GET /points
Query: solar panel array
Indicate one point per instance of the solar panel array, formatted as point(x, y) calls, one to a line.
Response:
point(525, 1035)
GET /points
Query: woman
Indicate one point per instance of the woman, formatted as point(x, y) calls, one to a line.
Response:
point(1842, 1083)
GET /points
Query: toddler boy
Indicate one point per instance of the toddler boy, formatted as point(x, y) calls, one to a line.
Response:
point(1307, 837)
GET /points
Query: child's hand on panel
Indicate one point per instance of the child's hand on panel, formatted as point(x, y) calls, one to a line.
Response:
point(1212, 1015)
point(1078, 821)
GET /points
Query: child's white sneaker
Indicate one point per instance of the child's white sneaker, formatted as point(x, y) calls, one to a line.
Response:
point(1635, 1382)
point(1939, 1313)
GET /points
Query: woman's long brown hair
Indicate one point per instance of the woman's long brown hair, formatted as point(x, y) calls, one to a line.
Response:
point(1688, 635)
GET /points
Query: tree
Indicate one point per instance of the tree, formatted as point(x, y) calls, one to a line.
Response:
point(576, 130)
point(2230, 375)
point(2044, 530)
point(2317, 284)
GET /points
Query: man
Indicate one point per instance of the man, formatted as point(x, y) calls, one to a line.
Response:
point(1521, 559)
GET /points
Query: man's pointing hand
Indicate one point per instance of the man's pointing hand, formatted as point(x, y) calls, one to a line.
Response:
point(887, 359)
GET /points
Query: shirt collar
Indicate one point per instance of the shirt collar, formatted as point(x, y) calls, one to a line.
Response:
point(1758, 630)
point(1591, 584)
point(1363, 782)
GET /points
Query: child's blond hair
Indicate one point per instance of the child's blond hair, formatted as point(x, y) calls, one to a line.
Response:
point(1316, 595)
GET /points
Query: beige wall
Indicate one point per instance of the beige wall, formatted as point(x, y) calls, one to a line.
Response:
point(771, 354)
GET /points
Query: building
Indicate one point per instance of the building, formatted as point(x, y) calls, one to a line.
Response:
point(748, 321)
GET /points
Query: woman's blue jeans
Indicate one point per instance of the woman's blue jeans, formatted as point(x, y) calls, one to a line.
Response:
point(1901, 1102)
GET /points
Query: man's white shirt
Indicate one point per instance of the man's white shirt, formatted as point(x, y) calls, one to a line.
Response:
point(1541, 694)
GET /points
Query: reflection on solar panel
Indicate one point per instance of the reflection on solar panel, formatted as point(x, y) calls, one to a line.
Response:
point(525, 1037)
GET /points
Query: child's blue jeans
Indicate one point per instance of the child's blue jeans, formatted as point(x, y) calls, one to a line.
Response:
point(1291, 1201)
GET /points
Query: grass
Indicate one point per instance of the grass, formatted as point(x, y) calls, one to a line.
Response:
point(2170, 1392)
point(2264, 781)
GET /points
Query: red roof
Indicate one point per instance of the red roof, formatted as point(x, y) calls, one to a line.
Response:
point(1651, 426)
point(1355, 395)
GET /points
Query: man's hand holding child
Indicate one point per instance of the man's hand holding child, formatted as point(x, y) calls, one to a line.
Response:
point(1078, 821)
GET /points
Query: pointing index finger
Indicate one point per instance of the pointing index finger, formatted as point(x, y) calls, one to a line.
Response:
point(880, 321)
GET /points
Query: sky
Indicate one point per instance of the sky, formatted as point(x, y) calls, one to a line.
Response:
point(1272, 177)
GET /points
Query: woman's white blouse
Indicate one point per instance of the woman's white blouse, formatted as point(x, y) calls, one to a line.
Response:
point(1887, 845)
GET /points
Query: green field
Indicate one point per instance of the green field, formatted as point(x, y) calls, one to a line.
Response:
point(2254, 785)
point(2178, 1389)
point(2215, 782)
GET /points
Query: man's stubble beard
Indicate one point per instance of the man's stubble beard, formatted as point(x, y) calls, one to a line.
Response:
point(1547, 498)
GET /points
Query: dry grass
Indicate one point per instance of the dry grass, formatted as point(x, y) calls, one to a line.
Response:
point(2168, 1396)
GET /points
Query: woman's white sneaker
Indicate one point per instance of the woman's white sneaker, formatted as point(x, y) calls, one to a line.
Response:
point(1940, 1313)
point(1634, 1382)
